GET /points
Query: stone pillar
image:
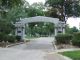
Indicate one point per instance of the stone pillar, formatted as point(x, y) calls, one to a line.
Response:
point(63, 30)
point(16, 31)
point(26, 28)
point(23, 32)
point(56, 31)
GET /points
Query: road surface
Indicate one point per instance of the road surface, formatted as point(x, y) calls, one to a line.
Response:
point(34, 50)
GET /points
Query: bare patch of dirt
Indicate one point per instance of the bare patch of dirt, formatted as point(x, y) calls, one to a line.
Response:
point(65, 46)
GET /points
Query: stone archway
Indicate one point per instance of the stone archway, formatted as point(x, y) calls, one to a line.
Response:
point(20, 26)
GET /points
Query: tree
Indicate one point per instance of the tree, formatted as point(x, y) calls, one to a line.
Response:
point(34, 12)
point(71, 30)
point(7, 4)
point(52, 13)
point(39, 5)
point(10, 10)
point(64, 8)
point(74, 29)
point(36, 9)
point(41, 28)
point(15, 14)
point(6, 27)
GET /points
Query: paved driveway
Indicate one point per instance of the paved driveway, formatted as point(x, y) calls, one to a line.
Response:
point(35, 50)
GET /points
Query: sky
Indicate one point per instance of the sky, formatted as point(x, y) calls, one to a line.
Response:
point(32, 1)
point(74, 22)
point(71, 21)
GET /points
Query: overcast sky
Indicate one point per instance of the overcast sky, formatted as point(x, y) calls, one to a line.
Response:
point(71, 21)
point(32, 1)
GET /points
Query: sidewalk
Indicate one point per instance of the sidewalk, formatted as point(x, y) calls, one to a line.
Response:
point(63, 50)
point(56, 56)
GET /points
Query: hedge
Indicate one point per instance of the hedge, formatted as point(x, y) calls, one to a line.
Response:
point(76, 39)
point(6, 37)
point(63, 38)
point(18, 38)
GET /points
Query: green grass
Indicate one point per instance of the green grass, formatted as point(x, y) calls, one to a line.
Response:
point(75, 55)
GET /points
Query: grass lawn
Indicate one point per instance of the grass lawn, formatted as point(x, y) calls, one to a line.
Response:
point(75, 55)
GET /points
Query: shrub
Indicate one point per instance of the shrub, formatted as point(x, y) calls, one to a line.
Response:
point(76, 39)
point(63, 38)
point(6, 37)
point(18, 38)
point(1, 36)
point(11, 39)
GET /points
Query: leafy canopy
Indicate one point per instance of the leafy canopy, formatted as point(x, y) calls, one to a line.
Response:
point(64, 8)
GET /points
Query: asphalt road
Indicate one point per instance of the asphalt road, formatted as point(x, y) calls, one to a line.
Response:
point(34, 50)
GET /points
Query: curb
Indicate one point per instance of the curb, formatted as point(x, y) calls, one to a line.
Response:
point(64, 57)
point(63, 50)
point(14, 44)
point(59, 57)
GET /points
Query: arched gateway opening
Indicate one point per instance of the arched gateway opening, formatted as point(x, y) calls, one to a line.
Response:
point(20, 26)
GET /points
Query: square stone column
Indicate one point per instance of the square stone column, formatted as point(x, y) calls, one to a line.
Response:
point(23, 32)
point(56, 31)
point(63, 30)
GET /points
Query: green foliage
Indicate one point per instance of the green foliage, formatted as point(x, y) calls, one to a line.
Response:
point(39, 5)
point(11, 3)
point(11, 39)
point(5, 37)
point(63, 38)
point(36, 9)
point(63, 6)
point(52, 13)
point(71, 30)
point(18, 38)
point(1, 36)
point(10, 11)
point(31, 12)
point(54, 2)
point(76, 39)
point(16, 13)
point(41, 28)
point(7, 5)
point(74, 29)
point(6, 27)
